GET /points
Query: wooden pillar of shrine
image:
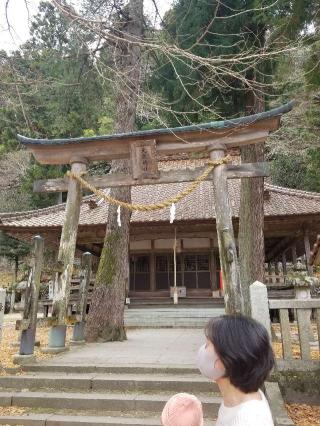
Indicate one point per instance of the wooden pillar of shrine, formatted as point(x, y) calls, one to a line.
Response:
point(152, 268)
point(61, 289)
point(294, 254)
point(227, 247)
point(284, 263)
point(307, 252)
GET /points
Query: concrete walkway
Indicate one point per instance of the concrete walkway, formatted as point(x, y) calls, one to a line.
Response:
point(10, 319)
point(144, 347)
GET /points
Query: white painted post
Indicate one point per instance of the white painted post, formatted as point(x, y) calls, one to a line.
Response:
point(2, 305)
point(260, 305)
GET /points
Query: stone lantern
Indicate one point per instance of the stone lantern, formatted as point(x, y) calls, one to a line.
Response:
point(302, 282)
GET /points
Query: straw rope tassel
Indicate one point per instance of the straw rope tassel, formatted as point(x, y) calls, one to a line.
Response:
point(172, 212)
point(119, 216)
point(156, 206)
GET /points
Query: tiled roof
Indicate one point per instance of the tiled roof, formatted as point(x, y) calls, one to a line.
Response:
point(197, 206)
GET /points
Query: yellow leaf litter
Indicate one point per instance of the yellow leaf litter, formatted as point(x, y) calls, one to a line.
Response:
point(10, 335)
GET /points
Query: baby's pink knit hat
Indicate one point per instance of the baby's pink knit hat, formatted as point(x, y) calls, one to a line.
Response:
point(182, 409)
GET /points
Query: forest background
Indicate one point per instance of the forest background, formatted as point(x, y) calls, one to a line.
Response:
point(60, 83)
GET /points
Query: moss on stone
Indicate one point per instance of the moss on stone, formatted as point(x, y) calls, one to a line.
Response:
point(112, 334)
point(299, 381)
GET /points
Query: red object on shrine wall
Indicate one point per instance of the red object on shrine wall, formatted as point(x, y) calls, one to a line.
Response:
point(220, 281)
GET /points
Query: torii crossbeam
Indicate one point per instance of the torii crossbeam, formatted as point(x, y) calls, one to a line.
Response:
point(143, 148)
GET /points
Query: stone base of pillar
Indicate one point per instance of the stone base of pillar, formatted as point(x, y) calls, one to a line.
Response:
point(77, 342)
point(78, 332)
point(57, 340)
point(23, 359)
point(53, 351)
point(27, 342)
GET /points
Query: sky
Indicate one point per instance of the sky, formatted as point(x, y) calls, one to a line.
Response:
point(19, 13)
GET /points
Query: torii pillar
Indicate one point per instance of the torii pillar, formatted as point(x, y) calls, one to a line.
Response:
point(63, 275)
point(227, 247)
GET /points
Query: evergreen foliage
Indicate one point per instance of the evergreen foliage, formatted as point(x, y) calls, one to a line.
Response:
point(51, 87)
point(214, 29)
point(13, 249)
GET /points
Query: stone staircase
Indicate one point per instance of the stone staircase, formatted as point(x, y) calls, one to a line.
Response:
point(186, 317)
point(64, 395)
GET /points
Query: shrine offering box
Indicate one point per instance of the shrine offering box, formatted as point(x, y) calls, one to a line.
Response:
point(182, 291)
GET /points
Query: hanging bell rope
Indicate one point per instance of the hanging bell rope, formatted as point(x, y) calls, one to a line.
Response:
point(156, 206)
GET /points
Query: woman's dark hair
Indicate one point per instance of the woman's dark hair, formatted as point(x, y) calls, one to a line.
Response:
point(243, 346)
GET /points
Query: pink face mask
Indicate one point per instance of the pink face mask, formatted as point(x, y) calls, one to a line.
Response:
point(206, 362)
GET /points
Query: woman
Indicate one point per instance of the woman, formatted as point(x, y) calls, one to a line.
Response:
point(238, 356)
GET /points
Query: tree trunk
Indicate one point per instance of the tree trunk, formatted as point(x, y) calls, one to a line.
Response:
point(251, 216)
point(105, 319)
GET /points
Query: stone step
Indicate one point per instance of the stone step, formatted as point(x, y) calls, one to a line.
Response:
point(110, 369)
point(167, 324)
point(109, 382)
point(199, 303)
point(68, 420)
point(125, 402)
point(177, 312)
point(170, 317)
point(157, 305)
point(165, 316)
point(157, 319)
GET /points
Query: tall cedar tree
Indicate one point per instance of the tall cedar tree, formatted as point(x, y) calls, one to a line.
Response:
point(227, 32)
point(294, 16)
point(105, 319)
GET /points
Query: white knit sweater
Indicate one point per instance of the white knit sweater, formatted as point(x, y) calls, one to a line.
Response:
point(249, 413)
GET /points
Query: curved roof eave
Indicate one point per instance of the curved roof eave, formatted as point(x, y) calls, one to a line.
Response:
point(219, 125)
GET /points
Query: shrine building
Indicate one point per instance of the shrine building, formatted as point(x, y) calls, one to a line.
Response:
point(291, 221)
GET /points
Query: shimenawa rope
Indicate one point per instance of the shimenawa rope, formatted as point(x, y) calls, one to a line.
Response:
point(156, 206)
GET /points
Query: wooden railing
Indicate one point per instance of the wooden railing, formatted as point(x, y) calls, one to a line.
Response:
point(295, 337)
point(304, 330)
point(46, 302)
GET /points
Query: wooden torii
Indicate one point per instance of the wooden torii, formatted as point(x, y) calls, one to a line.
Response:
point(143, 148)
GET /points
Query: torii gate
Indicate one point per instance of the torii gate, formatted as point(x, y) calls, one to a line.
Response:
point(142, 148)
